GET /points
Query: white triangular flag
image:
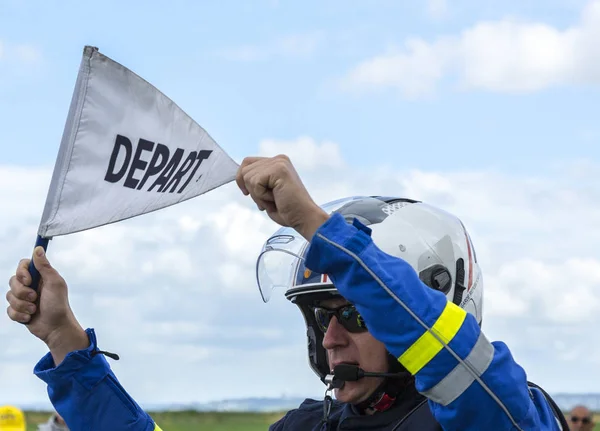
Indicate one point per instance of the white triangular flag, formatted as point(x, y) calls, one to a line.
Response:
point(127, 150)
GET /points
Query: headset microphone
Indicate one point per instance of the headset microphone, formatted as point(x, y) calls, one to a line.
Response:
point(343, 373)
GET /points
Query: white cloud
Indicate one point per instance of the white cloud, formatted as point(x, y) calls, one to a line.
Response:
point(290, 46)
point(178, 286)
point(509, 55)
point(561, 292)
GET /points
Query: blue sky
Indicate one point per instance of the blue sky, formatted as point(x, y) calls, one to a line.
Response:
point(488, 109)
point(247, 70)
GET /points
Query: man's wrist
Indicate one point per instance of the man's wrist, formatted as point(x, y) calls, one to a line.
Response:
point(66, 339)
point(312, 222)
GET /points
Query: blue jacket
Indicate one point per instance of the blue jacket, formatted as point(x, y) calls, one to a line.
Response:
point(471, 384)
point(409, 413)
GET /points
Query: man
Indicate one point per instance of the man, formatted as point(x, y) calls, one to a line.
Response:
point(580, 419)
point(55, 423)
point(370, 310)
point(12, 419)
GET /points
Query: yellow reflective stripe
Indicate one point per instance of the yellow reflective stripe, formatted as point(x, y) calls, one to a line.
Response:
point(156, 427)
point(427, 346)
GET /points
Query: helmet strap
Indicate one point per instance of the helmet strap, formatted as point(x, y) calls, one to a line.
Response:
point(384, 397)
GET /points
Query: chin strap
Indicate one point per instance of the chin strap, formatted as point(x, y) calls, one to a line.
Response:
point(384, 397)
point(380, 400)
point(385, 402)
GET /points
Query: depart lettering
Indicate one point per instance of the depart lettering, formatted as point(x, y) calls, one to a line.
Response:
point(163, 170)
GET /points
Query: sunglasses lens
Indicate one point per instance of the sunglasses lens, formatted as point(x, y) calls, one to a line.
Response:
point(352, 320)
point(347, 316)
point(323, 317)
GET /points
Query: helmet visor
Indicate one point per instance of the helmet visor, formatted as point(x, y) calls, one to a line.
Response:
point(278, 262)
point(281, 256)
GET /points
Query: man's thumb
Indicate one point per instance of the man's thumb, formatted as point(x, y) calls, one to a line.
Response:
point(41, 262)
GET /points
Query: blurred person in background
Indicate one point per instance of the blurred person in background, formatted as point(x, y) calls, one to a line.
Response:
point(55, 423)
point(581, 419)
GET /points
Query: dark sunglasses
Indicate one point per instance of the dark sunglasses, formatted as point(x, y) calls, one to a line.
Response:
point(347, 315)
point(584, 421)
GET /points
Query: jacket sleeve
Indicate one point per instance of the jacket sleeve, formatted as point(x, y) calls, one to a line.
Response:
point(87, 394)
point(471, 383)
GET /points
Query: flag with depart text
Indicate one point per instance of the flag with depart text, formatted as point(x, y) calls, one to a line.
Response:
point(126, 150)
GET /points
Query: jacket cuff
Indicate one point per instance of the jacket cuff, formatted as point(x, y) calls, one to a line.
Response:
point(86, 365)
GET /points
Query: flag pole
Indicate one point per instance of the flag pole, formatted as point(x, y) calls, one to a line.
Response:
point(35, 275)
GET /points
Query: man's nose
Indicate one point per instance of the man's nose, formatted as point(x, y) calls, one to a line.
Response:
point(335, 336)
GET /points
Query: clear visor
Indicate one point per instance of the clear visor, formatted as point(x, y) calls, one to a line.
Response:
point(278, 262)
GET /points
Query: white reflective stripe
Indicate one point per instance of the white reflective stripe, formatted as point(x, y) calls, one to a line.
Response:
point(459, 379)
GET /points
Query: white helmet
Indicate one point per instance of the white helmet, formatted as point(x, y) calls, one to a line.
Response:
point(434, 242)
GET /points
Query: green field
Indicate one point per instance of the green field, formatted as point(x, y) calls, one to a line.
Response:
point(194, 421)
point(191, 421)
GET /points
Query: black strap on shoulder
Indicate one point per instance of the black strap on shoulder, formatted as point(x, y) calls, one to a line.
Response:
point(557, 411)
